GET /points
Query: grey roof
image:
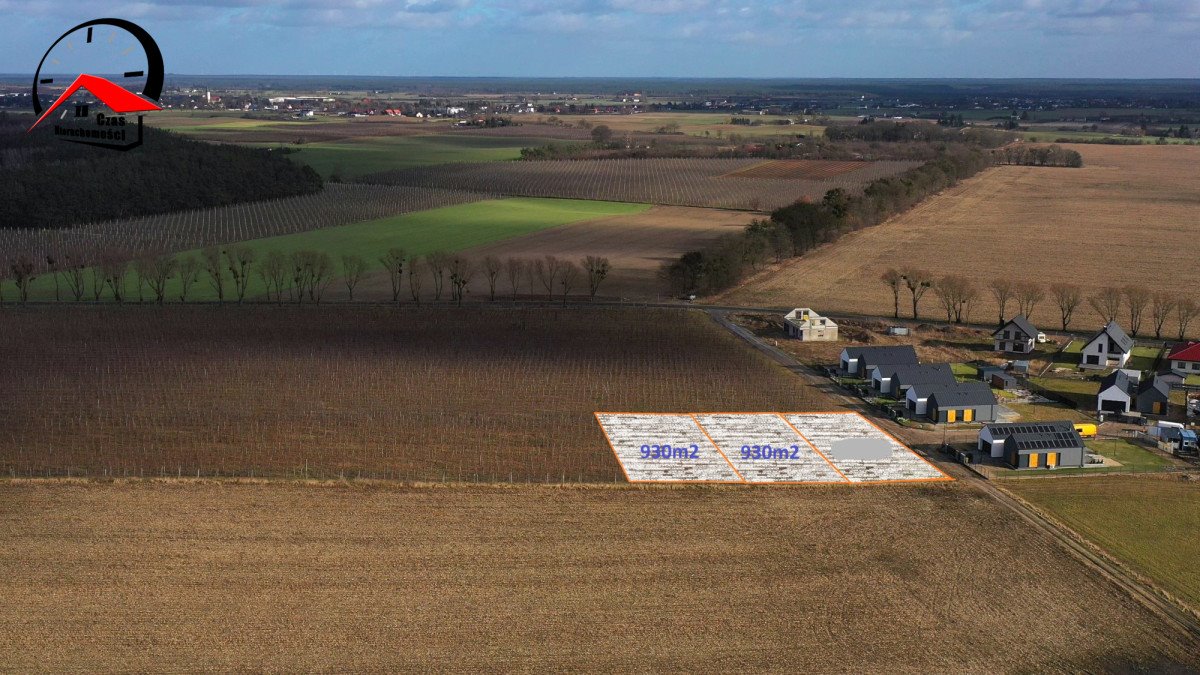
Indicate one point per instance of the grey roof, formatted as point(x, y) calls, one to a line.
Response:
point(913, 373)
point(1117, 335)
point(1116, 378)
point(1157, 384)
point(884, 354)
point(1030, 442)
point(962, 395)
point(1021, 322)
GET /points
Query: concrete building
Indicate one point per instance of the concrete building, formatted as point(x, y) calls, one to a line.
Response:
point(952, 403)
point(804, 324)
point(860, 361)
point(895, 381)
point(1067, 443)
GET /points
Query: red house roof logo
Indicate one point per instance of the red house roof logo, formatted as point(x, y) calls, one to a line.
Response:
point(119, 99)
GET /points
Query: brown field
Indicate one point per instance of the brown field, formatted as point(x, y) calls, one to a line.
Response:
point(475, 394)
point(182, 576)
point(675, 181)
point(1127, 217)
point(636, 246)
point(804, 169)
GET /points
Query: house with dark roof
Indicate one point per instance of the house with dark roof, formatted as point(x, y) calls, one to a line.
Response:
point(951, 403)
point(1153, 396)
point(1185, 358)
point(860, 361)
point(1017, 336)
point(1032, 438)
point(1044, 449)
point(894, 381)
point(1116, 393)
point(1109, 348)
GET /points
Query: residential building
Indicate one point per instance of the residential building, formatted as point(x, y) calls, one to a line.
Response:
point(1017, 336)
point(1116, 393)
point(1153, 396)
point(1109, 348)
point(894, 381)
point(1038, 444)
point(1185, 359)
point(951, 403)
point(806, 325)
point(1050, 449)
point(860, 361)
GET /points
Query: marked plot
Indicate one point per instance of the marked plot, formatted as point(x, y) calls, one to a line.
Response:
point(764, 449)
point(664, 448)
point(849, 440)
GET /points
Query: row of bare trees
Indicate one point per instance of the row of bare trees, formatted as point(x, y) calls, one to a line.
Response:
point(957, 294)
point(304, 275)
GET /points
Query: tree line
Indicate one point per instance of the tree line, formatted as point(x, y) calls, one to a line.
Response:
point(1038, 155)
point(49, 183)
point(1135, 306)
point(300, 276)
point(793, 230)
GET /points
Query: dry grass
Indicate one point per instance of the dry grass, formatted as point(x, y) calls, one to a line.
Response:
point(1127, 217)
point(291, 577)
point(472, 394)
point(804, 169)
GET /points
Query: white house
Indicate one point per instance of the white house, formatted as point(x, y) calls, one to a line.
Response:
point(1017, 336)
point(1185, 359)
point(1110, 348)
point(806, 325)
point(1116, 393)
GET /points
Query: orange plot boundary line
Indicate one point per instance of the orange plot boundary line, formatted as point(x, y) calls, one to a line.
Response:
point(814, 447)
point(718, 448)
point(672, 481)
point(944, 476)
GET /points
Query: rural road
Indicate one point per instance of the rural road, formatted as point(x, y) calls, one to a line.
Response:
point(1183, 620)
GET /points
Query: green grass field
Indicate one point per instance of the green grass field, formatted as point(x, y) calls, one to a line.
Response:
point(451, 228)
point(1150, 523)
point(1082, 392)
point(1143, 358)
point(351, 158)
point(1132, 457)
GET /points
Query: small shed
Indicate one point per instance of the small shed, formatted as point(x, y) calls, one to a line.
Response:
point(1153, 397)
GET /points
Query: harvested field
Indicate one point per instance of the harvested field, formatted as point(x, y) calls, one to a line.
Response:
point(472, 394)
point(804, 169)
point(636, 245)
point(1127, 217)
point(336, 205)
point(676, 182)
point(294, 577)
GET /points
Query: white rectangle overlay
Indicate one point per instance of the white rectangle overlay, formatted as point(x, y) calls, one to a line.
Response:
point(665, 448)
point(765, 449)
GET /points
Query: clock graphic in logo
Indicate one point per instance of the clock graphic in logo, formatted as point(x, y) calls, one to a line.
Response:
point(118, 64)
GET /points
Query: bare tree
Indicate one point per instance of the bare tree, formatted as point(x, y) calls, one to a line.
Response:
point(158, 272)
point(189, 272)
point(547, 270)
point(956, 294)
point(141, 273)
point(970, 294)
point(354, 266)
point(273, 270)
point(114, 269)
point(211, 259)
point(1002, 292)
point(515, 269)
point(416, 270)
point(240, 259)
point(492, 267)
point(892, 278)
point(568, 276)
point(1106, 302)
point(393, 262)
point(52, 265)
point(98, 278)
point(438, 260)
point(1028, 295)
point(1186, 310)
point(1067, 297)
point(461, 271)
point(918, 282)
point(1161, 307)
point(74, 276)
point(322, 274)
point(597, 269)
point(1136, 299)
point(22, 276)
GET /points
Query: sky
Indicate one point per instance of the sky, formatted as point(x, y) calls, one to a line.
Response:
point(635, 38)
